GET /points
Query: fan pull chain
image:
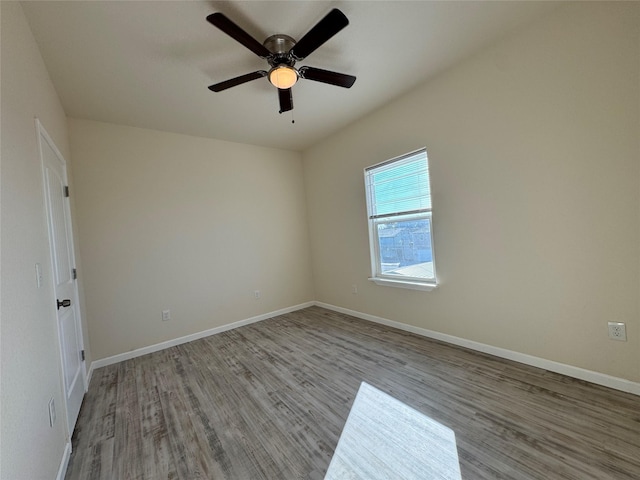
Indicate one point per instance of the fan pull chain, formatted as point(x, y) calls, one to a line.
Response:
point(292, 120)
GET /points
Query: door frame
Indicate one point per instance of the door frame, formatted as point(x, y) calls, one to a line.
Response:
point(43, 136)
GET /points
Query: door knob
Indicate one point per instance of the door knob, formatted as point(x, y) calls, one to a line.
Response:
point(64, 303)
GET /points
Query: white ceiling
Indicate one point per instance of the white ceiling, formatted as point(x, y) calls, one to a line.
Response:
point(148, 63)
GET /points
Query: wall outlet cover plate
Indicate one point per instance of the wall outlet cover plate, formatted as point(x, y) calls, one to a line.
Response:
point(617, 331)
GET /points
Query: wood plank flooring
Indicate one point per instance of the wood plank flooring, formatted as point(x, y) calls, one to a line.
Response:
point(269, 400)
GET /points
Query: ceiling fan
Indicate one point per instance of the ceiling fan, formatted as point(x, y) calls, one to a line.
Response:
point(282, 52)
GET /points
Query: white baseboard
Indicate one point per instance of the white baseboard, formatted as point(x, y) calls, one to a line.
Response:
point(569, 370)
point(64, 463)
point(103, 362)
point(89, 374)
point(557, 367)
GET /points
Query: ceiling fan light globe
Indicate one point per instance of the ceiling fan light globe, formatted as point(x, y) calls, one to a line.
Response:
point(283, 77)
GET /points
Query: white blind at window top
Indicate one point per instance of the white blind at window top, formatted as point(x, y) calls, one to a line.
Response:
point(400, 186)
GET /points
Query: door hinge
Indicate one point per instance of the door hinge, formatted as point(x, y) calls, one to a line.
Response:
point(66, 190)
point(74, 274)
point(82, 354)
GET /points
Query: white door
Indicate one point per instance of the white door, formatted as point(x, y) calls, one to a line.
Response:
point(63, 273)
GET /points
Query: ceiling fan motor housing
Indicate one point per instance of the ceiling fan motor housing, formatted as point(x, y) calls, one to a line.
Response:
point(280, 45)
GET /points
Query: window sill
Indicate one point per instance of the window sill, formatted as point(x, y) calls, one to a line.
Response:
point(425, 287)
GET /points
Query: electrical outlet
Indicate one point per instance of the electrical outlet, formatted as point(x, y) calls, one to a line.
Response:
point(166, 315)
point(52, 412)
point(354, 289)
point(257, 294)
point(617, 331)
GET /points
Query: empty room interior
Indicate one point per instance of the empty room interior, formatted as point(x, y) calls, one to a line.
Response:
point(242, 282)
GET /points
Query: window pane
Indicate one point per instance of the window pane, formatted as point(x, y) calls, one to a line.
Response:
point(405, 248)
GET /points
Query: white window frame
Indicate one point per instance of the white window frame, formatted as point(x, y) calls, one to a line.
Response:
point(377, 274)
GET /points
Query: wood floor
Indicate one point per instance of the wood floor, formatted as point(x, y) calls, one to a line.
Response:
point(269, 400)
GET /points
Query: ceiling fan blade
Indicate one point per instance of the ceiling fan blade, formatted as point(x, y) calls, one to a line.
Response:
point(327, 76)
point(232, 82)
point(286, 100)
point(238, 34)
point(326, 28)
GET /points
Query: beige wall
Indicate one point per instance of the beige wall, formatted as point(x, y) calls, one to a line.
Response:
point(534, 155)
point(30, 357)
point(194, 225)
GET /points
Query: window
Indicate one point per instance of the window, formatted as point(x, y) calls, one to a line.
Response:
point(400, 224)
